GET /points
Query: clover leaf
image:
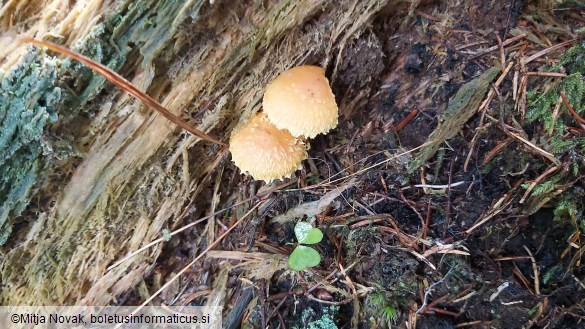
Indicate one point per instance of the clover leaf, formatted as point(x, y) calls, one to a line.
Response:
point(303, 257)
point(307, 234)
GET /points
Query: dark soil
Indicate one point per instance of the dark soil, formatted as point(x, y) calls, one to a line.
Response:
point(378, 232)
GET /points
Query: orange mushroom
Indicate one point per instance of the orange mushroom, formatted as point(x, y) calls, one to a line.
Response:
point(266, 152)
point(301, 101)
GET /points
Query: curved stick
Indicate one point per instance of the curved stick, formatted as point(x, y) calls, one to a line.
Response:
point(119, 81)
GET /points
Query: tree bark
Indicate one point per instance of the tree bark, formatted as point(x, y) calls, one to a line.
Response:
point(88, 173)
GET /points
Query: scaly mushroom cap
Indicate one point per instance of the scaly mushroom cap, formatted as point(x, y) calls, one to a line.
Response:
point(301, 101)
point(266, 152)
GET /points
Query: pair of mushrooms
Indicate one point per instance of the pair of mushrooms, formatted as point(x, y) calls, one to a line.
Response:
point(298, 104)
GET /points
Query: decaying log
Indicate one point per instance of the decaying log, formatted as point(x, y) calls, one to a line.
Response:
point(88, 173)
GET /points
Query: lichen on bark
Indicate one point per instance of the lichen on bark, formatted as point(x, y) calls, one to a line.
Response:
point(28, 100)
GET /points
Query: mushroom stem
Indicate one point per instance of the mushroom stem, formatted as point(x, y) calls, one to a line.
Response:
point(119, 81)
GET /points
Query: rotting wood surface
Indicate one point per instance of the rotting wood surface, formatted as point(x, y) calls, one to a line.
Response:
point(111, 173)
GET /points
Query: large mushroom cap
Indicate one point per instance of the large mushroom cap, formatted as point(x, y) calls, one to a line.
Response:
point(266, 152)
point(301, 101)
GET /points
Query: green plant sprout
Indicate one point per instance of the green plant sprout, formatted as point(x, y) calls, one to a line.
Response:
point(381, 303)
point(304, 257)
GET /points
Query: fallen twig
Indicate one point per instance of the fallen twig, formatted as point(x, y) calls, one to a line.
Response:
point(496, 47)
point(429, 290)
point(538, 180)
point(548, 50)
point(121, 82)
point(535, 270)
point(406, 120)
point(570, 108)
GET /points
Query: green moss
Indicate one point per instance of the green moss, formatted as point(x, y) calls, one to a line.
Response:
point(543, 188)
point(563, 144)
point(570, 207)
point(382, 303)
point(542, 103)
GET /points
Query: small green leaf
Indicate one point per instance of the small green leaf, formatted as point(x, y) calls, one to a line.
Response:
point(307, 234)
point(303, 257)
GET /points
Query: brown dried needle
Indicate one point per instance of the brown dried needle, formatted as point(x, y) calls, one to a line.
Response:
point(119, 81)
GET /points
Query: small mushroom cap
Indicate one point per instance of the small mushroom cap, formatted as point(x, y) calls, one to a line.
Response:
point(301, 101)
point(266, 152)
